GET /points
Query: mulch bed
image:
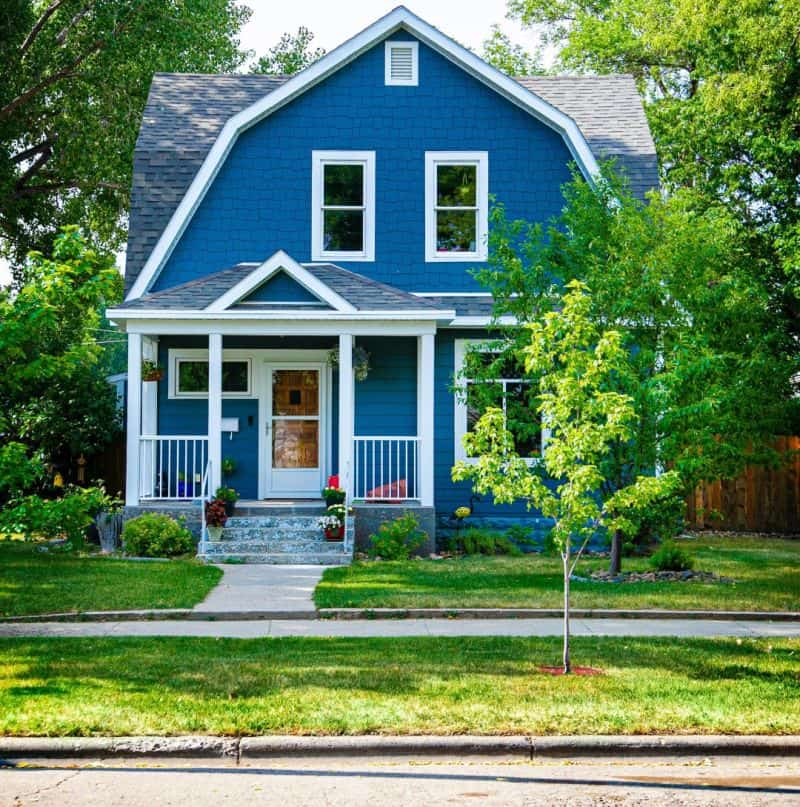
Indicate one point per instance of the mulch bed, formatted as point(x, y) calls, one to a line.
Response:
point(653, 577)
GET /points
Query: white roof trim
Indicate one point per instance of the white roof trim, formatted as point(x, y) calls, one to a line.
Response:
point(280, 262)
point(126, 314)
point(399, 18)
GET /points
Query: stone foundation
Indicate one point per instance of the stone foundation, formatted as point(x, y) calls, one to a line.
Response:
point(189, 512)
point(368, 517)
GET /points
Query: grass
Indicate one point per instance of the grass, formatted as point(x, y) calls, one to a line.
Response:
point(32, 582)
point(482, 685)
point(765, 571)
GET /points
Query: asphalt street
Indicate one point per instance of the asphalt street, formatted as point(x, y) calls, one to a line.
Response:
point(404, 781)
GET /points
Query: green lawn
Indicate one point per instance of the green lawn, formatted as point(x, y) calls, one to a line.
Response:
point(33, 582)
point(766, 570)
point(428, 685)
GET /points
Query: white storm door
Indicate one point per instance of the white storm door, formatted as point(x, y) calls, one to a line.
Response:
point(294, 429)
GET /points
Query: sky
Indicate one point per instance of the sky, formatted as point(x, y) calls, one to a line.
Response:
point(334, 22)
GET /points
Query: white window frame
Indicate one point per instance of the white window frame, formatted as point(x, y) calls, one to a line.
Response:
point(319, 159)
point(480, 159)
point(177, 355)
point(388, 78)
point(462, 347)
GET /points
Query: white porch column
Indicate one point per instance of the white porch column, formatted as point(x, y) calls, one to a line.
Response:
point(425, 386)
point(215, 410)
point(134, 419)
point(150, 391)
point(346, 413)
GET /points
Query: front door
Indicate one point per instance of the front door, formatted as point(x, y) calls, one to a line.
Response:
point(293, 403)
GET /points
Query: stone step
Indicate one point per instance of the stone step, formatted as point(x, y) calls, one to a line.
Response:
point(281, 558)
point(273, 546)
point(279, 511)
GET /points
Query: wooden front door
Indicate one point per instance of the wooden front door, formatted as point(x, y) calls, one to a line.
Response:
point(294, 429)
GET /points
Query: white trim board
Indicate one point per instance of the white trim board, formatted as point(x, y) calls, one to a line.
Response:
point(398, 19)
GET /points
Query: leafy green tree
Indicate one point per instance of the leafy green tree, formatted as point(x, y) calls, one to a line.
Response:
point(721, 84)
point(710, 381)
point(74, 82)
point(505, 55)
point(54, 399)
point(292, 54)
point(576, 368)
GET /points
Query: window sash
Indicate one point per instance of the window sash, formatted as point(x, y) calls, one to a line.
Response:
point(362, 209)
point(203, 393)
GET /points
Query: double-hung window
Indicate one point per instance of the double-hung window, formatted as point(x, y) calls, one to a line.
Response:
point(343, 205)
point(456, 205)
point(485, 379)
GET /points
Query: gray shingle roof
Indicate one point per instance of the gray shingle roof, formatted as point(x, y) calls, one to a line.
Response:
point(185, 113)
point(363, 293)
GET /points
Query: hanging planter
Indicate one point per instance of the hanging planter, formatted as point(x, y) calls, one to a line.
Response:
point(361, 366)
point(151, 371)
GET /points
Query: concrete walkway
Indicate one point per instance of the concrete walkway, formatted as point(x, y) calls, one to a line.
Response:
point(262, 587)
point(410, 627)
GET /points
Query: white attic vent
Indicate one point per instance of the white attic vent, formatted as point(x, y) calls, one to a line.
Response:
point(402, 64)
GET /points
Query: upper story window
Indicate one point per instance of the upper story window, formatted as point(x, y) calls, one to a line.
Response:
point(343, 205)
point(402, 64)
point(456, 205)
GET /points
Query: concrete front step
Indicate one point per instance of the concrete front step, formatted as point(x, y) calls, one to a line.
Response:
point(294, 546)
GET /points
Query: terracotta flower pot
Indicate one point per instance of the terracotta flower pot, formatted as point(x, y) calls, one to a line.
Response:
point(334, 534)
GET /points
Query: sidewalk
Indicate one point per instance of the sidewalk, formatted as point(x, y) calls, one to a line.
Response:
point(253, 629)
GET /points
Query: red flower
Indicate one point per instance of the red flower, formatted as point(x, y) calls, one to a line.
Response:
point(333, 481)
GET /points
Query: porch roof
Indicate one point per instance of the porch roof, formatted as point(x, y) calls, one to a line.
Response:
point(362, 293)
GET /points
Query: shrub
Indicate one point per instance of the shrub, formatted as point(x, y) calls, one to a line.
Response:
point(154, 535)
point(475, 541)
point(397, 539)
point(661, 520)
point(66, 517)
point(671, 558)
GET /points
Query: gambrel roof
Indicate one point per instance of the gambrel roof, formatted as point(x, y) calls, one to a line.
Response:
point(191, 121)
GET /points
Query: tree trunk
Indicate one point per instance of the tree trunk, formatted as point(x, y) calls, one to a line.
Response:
point(565, 559)
point(615, 564)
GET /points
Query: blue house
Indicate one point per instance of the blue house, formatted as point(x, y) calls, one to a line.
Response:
point(299, 265)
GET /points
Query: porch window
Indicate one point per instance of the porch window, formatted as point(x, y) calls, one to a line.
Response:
point(343, 205)
point(191, 378)
point(507, 389)
point(456, 205)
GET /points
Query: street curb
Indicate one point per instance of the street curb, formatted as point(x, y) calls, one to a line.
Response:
point(189, 615)
point(525, 747)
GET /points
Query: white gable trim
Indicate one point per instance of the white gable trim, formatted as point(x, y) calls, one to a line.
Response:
point(399, 18)
point(280, 262)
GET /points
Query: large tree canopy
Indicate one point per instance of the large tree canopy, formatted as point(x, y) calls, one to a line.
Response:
point(721, 83)
point(290, 55)
point(73, 86)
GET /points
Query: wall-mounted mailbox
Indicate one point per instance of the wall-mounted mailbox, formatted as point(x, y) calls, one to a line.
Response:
point(230, 425)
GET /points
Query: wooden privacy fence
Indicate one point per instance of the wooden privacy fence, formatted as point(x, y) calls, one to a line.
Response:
point(760, 500)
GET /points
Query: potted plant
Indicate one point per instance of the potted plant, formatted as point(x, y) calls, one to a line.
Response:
point(332, 523)
point(228, 468)
point(216, 518)
point(332, 493)
point(152, 371)
point(361, 366)
point(228, 496)
point(109, 526)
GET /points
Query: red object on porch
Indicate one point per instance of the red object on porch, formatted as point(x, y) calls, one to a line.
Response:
point(333, 481)
point(334, 535)
point(393, 493)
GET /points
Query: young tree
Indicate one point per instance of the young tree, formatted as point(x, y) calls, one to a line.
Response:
point(292, 54)
point(576, 369)
point(54, 400)
point(74, 82)
point(710, 386)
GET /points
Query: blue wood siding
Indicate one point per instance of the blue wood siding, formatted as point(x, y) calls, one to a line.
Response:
point(280, 288)
point(260, 200)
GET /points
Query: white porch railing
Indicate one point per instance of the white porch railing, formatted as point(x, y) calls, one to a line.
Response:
point(385, 468)
point(172, 466)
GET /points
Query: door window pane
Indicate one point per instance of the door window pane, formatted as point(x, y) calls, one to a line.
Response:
point(295, 443)
point(295, 393)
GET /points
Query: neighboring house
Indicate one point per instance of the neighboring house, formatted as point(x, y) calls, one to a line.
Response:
point(274, 220)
